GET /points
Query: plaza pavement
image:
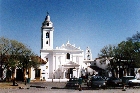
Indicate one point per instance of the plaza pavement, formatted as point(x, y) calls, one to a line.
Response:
point(6, 87)
point(46, 90)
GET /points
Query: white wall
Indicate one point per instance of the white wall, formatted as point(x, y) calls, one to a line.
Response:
point(103, 65)
point(32, 73)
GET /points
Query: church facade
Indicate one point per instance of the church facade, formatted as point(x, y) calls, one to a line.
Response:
point(63, 62)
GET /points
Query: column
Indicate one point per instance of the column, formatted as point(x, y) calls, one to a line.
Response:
point(64, 74)
point(77, 72)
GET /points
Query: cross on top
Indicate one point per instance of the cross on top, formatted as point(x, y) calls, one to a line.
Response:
point(47, 13)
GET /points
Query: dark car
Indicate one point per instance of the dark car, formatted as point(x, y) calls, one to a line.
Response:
point(97, 82)
point(72, 83)
point(114, 82)
point(89, 81)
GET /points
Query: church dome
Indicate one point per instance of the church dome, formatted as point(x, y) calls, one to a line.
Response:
point(47, 22)
point(47, 18)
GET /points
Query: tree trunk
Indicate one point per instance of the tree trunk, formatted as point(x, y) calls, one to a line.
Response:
point(29, 72)
point(125, 72)
point(24, 74)
point(13, 73)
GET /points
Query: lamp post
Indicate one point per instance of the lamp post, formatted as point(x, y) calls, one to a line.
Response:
point(27, 68)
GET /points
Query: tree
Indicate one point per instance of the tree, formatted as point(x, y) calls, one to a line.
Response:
point(126, 54)
point(15, 54)
point(135, 39)
point(109, 52)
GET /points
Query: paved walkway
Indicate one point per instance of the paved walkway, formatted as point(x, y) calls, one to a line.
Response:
point(6, 87)
point(9, 85)
point(36, 90)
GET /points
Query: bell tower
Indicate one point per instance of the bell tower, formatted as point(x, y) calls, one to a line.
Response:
point(47, 34)
point(88, 54)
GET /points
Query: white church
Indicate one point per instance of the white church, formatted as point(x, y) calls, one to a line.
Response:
point(66, 61)
point(62, 62)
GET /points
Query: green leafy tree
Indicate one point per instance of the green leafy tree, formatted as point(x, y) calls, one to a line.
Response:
point(135, 39)
point(15, 54)
point(126, 54)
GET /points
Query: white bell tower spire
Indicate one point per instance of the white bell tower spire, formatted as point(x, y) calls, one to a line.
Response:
point(47, 34)
point(88, 54)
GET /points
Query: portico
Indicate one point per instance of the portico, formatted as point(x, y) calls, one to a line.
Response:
point(71, 69)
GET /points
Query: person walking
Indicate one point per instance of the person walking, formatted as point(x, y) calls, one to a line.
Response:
point(80, 83)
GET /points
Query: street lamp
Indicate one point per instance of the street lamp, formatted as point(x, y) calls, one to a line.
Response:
point(27, 64)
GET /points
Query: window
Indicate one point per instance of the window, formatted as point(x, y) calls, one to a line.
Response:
point(47, 35)
point(68, 56)
point(47, 24)
point(88, 57)
point(46, 67)
point(46, 59)
point(47, 42)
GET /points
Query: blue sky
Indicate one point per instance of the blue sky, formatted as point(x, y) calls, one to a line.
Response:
point(93, 23)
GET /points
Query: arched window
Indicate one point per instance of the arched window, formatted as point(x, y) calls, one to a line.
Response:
point(46, 42)
point(46, 59)
point(47, 24)
point(88, 57)
point(68, 56)
point(47, 35)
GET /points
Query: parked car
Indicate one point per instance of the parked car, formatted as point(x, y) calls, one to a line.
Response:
point(97, 82)
point(89, 81)
point(125, 80)
point(134, 82)
point(72, 83)
point(114, 82)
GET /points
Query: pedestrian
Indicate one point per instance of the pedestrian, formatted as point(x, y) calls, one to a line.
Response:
point(80, 83)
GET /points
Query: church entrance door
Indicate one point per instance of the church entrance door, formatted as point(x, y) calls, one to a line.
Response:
point(37, 73)
point(70, 73)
